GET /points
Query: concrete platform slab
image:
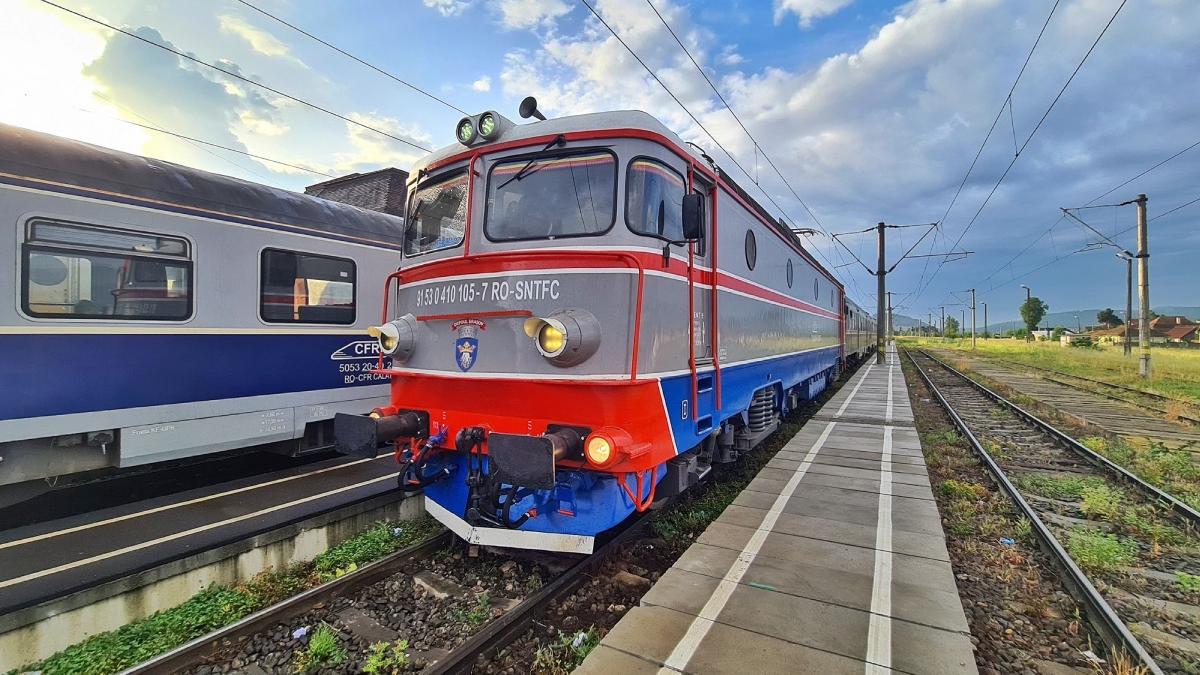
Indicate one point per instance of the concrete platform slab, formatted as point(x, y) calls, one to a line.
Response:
point(831, 560)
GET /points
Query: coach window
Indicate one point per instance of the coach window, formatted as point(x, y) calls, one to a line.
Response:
point(553, 196)
point(437, 215)
point(306, 288)
point(74, 271)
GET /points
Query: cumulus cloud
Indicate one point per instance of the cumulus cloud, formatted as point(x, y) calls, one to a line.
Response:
point(371, 151)
point(518, 14)
point(259, 40)
point(482, 84)
point(885, 130)
point(448, 7)
point(729, 56)
point(808, 10)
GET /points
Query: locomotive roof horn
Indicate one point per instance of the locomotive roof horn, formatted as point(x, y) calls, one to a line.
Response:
point(529, 109)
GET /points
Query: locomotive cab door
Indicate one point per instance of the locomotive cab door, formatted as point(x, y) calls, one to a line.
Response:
point(701, 288)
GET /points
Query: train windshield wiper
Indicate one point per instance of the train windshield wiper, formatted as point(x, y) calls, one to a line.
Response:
point(558, 140)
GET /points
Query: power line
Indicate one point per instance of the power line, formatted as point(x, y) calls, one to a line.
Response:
point(238, 77)
point(1146, 172)
point(1167, 213)
point(211, 144)
point(1028, 139)
point(978, 153)
point(757, 147)
point(693, 117)
point(352, 56)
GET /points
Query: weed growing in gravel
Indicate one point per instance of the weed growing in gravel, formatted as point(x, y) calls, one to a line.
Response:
point(478, 614)
point(323, 650)
point(1188, 583)
point(1171, 470)
point(1058, 486)
point(387, 659)
point(957, 489)
point(116, 650)
point(373, 544)
point(1025, 529)
point(1102, 502)
point(218, 606)
point(1098, 551)
point(567, 654)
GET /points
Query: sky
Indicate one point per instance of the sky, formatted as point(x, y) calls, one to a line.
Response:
point(872, 111)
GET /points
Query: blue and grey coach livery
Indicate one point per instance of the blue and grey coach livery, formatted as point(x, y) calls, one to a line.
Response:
point(154, 312)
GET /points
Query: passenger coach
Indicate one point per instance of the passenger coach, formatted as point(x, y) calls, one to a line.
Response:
point(589, 315)
point(155, 312)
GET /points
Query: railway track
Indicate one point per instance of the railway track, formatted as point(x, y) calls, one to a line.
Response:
point(490, 638)
point(1141, 398)
point(1129, 552)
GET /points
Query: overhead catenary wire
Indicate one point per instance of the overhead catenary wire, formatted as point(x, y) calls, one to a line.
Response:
point(190, 139)
point(347, 54)
point(1032, 133)
point(691, 115)
point(241, 78)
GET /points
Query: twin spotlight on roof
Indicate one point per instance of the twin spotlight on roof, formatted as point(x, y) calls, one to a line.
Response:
point(490, 125)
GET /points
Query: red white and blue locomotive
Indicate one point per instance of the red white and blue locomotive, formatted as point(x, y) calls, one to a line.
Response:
point(589, 315)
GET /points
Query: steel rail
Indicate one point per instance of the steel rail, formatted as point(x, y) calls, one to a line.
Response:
point(1185, 512)
point(1103, 618)
point(1119, 387)
point(512, 624)
point(199, 650)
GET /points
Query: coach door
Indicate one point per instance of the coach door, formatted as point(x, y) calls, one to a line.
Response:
point(701, 285)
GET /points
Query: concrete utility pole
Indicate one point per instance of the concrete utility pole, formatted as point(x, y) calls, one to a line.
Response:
point(1143, 256)
point(972, 318)
point(985, 327)
point(943, 321)
point(891, 334)
point(880, 317)
point(1128, 258)
point(962, 323)
point(930, 324)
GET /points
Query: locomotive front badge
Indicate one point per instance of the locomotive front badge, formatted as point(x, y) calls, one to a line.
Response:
point(466, 345)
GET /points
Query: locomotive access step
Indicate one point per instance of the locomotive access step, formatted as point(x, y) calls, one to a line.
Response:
point(832, 560)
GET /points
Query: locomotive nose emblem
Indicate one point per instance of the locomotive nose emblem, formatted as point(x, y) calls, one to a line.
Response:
point(466, 345)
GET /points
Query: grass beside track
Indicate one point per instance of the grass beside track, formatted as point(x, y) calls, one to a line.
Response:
point(219, 606)
point(1175, 372)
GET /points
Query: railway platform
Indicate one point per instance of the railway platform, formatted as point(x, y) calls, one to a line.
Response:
point(832, 560)
point(51, 559)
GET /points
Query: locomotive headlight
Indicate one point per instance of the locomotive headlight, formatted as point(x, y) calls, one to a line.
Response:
point(598, 450)
point(397, 338)
point(551, 339)
point(488, 126)
point(465, 131)
point(567, 337)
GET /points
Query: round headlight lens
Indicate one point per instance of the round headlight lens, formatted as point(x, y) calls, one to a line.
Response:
point(598, 450)
point(487, 125)
point(551, 339)
point(465, 131)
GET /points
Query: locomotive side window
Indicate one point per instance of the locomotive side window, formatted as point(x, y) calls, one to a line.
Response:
point(751, 249)
point(551, 196)
point(74, 271)
point(306, 288)
point(654, 199)
point(790, 273)
point(437, 216)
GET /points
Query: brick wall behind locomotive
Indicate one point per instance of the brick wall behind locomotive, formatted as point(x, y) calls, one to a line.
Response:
point(156, 312)
point(381, 190)
point(541, 290)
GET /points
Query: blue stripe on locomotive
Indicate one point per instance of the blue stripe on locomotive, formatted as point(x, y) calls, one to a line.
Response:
point(49, 374)
point(738, 384)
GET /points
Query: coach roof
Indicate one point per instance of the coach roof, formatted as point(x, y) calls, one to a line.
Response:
point(43, 157)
